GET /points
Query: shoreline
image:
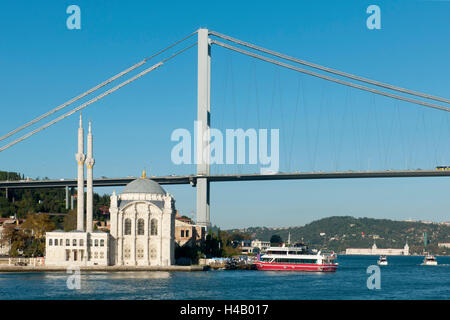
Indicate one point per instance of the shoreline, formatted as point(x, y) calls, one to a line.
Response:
point(24, 269)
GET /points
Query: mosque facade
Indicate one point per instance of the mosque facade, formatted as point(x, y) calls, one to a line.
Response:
point(142, 224)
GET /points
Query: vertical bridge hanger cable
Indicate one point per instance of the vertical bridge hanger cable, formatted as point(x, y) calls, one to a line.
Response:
point(325, 77)
point(104, 94)
point(329, 70)
point(104, 83)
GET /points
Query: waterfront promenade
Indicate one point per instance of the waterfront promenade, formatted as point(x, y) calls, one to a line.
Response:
point(12, 268)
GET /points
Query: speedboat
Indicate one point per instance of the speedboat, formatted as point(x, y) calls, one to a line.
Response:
point(296, 258)
point(429, 260)
point(382, 261)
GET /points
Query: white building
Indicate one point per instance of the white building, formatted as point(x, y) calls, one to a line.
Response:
point(76, 248)
point(261, 245)
point(254, 246)
point(142, 224)
point(378, 251)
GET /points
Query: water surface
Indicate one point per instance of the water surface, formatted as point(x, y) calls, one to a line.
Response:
point(403, 278)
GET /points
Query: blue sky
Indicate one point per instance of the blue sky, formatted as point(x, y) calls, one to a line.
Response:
point(323, 126)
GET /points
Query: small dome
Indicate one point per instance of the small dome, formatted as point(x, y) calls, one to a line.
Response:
point(143, 185)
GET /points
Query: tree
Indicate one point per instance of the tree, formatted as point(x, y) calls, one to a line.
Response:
point(212, 246)
point(229, 251)
point(276, 240)
point(239, 236)
point(33, 233)
point(70, 221)
point(14, 236)
point(37, 225)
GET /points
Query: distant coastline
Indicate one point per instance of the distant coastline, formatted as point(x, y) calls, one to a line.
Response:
point(339, 233)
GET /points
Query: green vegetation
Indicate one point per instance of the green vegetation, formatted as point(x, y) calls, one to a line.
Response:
point(217, 244)
point(339, 233)
point(275, 240)
point(20, 202)
point(28, 239)
point(333, 233)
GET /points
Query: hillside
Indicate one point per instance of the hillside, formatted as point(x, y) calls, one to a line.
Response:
point(49, 200)
point(339, 233)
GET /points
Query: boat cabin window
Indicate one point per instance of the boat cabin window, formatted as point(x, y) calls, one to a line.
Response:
point(277, 252)
point(298, 261)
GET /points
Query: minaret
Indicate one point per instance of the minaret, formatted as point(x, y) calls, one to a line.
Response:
point(80, 181)
point(89, 192)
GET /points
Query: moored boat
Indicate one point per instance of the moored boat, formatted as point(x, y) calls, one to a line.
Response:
point(297, 258)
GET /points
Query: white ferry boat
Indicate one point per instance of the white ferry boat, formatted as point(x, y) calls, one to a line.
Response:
point(297, 258)
point(429, 260)
point(382, 261)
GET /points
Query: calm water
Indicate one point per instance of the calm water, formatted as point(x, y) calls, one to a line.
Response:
point(404, 278)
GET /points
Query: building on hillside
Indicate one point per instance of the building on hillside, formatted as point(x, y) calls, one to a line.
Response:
point(444, 244)
point(254, 246)
point(378, 251)
point(246, 247)
point(102, 225)
point(261, 245)
point(187, 233)
point(5, 246)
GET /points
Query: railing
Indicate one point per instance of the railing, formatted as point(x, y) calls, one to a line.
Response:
point(38, 261)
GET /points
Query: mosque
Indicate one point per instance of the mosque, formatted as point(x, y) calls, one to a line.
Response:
point(142, 224)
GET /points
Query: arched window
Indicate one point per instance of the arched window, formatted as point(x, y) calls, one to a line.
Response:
point(154, 227)
point(50, 242)
point(102, 243)
point(67, 242)
point(96, 242)
point(127, 226)
point(74, 242)
point(140, 229)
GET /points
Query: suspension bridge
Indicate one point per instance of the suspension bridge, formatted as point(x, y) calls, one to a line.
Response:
point(205, 39)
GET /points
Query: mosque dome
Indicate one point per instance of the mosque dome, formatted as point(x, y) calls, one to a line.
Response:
point(143, 185)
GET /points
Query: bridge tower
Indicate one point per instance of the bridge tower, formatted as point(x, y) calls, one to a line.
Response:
point(203, 125)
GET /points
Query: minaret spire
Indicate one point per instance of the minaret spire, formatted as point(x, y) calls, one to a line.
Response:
point(89, 193)
point(80, 177)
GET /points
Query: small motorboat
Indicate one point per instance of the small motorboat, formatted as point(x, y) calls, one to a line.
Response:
point(382, 261)
point(429, 260)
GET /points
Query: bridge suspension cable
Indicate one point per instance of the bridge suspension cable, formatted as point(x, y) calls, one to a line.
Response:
point(104, 83)
point(329, 70)
point(104, 94)
point(342, 82)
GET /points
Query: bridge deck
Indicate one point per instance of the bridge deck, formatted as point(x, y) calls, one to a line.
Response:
point(192, 179)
